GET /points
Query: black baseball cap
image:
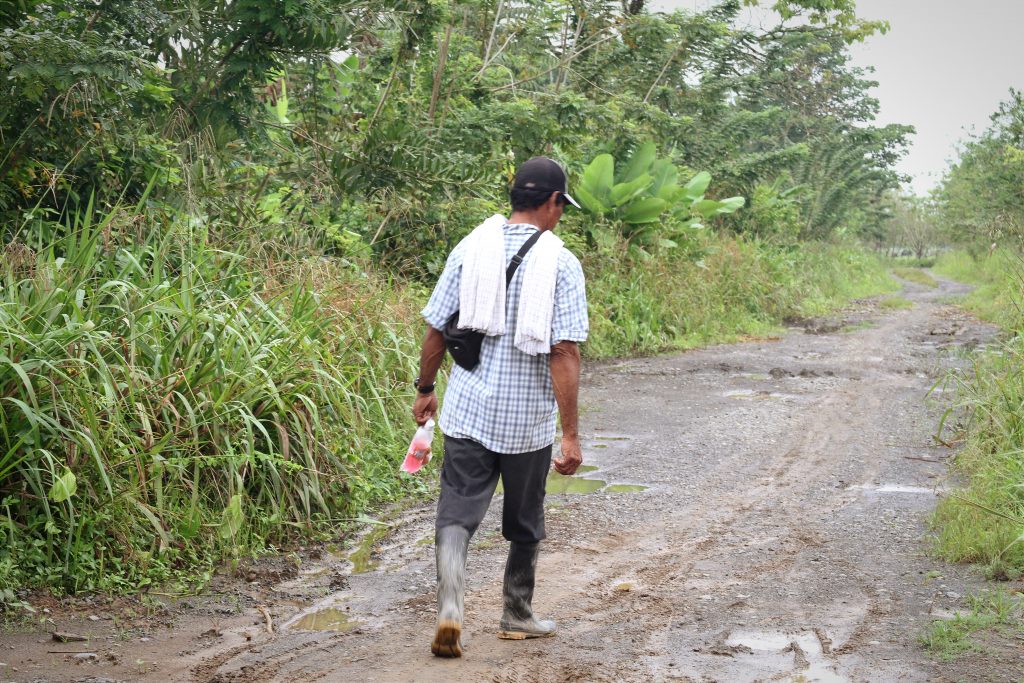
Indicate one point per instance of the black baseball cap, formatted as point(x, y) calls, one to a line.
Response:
point(544, 175)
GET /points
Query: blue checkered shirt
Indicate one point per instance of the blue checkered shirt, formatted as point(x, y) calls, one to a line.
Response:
point(507, 402)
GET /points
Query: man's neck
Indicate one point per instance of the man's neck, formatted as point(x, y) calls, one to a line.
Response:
point(528, 217)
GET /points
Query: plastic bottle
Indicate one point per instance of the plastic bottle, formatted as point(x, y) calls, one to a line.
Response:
point(418, 454)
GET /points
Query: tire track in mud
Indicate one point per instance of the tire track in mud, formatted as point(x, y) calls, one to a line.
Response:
point(753, 556)
point(270, 663)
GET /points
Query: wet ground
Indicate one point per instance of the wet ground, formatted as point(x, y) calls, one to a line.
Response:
point(753, 512)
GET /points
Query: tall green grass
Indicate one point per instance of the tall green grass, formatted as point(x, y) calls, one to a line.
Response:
point(985, 521)
point(915, 275)
point(165, 404)
point(737, 288)
point(997, 275)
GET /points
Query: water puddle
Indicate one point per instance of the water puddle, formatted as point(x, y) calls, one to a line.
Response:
point(802, 656)
point(362, 556)
point(624, 488)
point(606, 441)
point(751, 394)
point(327, 619)
point(559, 483)
point(741, 393)
point(577, 485)
point(857, 327)
point(765, 642)
point(898, 488)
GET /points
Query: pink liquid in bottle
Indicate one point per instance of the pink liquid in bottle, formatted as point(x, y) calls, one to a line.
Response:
point(418, 454)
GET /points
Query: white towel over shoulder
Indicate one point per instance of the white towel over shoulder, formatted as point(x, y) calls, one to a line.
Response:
point(537, 298)
point(482, 288)
point(482, 284)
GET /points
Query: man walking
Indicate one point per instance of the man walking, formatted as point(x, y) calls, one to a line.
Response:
point(499, 417)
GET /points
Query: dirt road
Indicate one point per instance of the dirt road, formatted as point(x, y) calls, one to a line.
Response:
point(780, 536)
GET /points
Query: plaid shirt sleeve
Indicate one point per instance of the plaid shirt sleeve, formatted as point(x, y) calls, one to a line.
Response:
point(445, 299)
point(569, 321)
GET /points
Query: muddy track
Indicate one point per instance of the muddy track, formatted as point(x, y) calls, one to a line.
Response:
point(781, 535)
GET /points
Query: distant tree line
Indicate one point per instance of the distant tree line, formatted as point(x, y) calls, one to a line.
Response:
point(980, 202)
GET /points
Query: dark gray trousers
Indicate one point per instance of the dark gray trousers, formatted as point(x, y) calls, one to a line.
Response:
point(469, 476)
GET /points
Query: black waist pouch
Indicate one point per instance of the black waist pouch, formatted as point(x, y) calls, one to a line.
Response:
point(464, 345)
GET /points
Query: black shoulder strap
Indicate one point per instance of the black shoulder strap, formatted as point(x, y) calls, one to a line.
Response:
point(518, 258)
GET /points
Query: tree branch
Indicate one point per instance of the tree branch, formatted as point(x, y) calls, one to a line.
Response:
point(442, 59)
point(559, 65)
point(494, 30)
point(679, 48)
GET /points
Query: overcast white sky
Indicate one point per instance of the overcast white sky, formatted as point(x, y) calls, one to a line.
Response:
point(944, 67)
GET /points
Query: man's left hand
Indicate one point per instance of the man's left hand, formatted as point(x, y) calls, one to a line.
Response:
point(425, 407)
point(572, 456)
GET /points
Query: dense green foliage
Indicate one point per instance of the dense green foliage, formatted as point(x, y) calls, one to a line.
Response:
point(217, 220)
point(430, 110)
point(981, 199)
point(980, 206)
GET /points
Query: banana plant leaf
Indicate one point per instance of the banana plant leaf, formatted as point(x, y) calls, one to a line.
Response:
point(665, 174)
point(710, 207)
point(671, 193)
point(732, 204)
point(647, 210)
point(698, 185)
point(598, 178)
point(623, 193)
point(590, 203)
point(639, 163)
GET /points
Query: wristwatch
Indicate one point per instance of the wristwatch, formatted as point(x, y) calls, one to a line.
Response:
point(423, 388)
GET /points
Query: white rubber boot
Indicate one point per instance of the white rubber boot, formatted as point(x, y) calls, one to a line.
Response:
point(450, 546)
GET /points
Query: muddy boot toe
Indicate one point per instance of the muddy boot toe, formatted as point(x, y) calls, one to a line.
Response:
point(451, 544)
point(447, 639)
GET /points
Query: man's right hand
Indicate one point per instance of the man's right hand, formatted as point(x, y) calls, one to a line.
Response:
point(572, 456)
point(425, 407)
